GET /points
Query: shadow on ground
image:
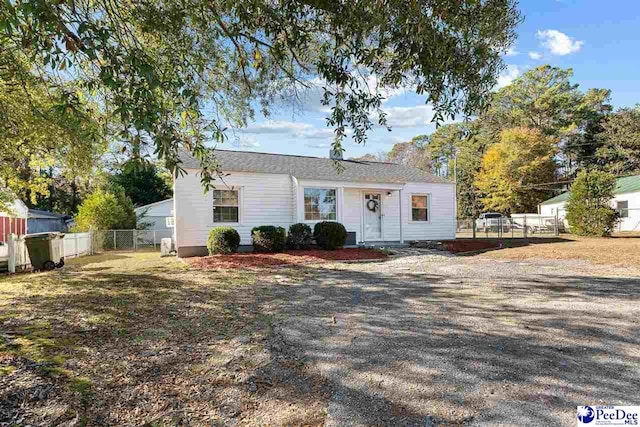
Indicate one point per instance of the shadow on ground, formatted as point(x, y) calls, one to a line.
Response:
point(446, 346)
point(404, 342)
point(98, 344)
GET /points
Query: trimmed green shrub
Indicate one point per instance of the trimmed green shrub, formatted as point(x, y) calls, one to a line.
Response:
point(330, 235)
point(223, 240)
point(300, 236)
point(268, 238)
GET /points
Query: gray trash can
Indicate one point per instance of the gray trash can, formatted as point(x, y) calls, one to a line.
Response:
point(45, 250)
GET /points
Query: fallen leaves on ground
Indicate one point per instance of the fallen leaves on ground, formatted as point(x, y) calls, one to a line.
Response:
point(133, 339)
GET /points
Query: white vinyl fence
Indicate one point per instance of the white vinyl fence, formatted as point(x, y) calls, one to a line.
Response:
point(15, 256)
point(77, 244)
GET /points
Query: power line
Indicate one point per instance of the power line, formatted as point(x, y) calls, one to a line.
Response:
point(533, 186)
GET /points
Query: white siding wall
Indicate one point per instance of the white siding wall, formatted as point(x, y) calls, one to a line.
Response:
point(18, 210)
point(265, 199)
point(156, 215)
point(632, 223)
point(391, 218)
point(354, 207)
point(270, 199)
point(550, 210)
point(157, 223)
point(352, 212)
point(164, 208)
point(442, 211)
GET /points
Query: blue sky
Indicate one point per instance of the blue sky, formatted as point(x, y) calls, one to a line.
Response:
point(599, 39)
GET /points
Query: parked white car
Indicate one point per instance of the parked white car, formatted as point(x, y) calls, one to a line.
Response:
point(491, 221)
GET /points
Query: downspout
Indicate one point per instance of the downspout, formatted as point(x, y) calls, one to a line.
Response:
point(400, 211)
point(295, 200)
point(174, 233)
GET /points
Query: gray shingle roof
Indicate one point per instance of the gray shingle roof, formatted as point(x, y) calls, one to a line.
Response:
point(314, 167)
point(36, 213)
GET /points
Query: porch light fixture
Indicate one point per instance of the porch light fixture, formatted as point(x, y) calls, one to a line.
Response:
point(388, 193)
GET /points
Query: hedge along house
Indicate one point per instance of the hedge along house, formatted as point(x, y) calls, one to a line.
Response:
point(626, 201)
point(376, 202)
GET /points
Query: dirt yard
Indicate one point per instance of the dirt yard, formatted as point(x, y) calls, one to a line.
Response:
point(619, 250)
point(433, 340)
point(419, 339)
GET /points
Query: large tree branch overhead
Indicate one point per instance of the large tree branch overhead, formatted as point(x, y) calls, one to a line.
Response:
point(159, 65)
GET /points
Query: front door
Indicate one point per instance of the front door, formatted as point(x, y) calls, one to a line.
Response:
point(372, 217)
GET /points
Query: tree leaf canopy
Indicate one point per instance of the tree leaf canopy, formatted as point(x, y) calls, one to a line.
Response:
point(177, 74)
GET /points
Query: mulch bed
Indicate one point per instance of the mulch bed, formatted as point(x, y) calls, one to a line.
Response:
point(470, 245)
point(462, 245)
point(262, 260)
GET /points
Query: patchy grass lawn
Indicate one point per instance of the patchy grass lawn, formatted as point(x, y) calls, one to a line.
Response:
point(254, 260)
point(133, 339)
point(620, 250)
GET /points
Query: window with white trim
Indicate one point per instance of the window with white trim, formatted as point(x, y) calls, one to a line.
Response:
point(225, 206)
point(169, 221)
point(419, 207)
point(320, 204)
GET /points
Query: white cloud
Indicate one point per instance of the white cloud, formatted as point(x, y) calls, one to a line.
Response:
point(276, 126)
point(297, 129)
point(535, 55)
point(319, 145)
point(558, 42)
point(387, 92)
point(246, 142)
point(309, 97)
point(404, 117)
point(510, 74)
point(511, 51)
point(319, 133)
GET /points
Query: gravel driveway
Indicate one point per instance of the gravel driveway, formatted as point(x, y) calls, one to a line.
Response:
point(434, 340)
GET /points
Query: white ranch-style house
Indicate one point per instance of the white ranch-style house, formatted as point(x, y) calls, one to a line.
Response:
point(375, 201)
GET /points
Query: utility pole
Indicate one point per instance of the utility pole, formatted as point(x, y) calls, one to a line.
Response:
point(455, 166)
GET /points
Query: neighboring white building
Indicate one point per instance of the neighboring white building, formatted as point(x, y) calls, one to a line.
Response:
point(14, 221)
point(626, 200)
point(159, 215)
point(376, 202)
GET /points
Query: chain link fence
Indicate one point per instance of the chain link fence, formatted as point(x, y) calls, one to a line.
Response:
point(129, 240)
point(516, 226)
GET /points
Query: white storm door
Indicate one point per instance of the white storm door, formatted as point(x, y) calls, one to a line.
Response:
point(372, 216)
